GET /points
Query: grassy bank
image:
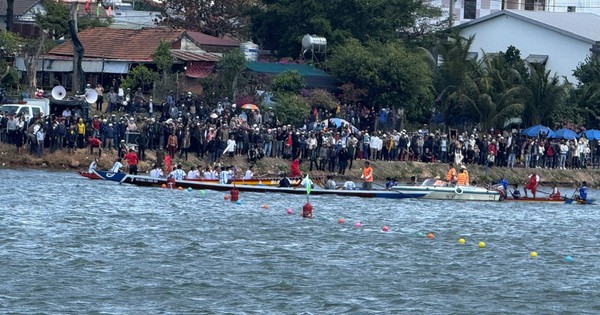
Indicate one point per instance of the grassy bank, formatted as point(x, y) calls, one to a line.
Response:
point(402, 171)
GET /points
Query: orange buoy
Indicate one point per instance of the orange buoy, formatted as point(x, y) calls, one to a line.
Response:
point(430, 236)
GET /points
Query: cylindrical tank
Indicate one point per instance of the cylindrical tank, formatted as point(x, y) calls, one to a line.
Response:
point(250, 50)
point(314, 43)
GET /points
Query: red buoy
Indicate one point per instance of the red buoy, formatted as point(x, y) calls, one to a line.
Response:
point(307, 211)
point(235, 194)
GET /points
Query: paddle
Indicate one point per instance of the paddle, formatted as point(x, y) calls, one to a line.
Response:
point(570, 200)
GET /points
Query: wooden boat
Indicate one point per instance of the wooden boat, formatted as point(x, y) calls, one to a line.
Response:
point(547, 200)
point(89, 175)
point(118, 177)
point(147, 181)
point(427, 190)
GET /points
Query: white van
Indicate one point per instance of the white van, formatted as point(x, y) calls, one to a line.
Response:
point(29, 108)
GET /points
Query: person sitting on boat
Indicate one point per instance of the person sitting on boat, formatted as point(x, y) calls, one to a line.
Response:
point(156, 171)
point(117, 166)
point(555, 195)
point(193, 173)
point(285, 181)
point(503, 185)
point(516, 193)
point(330, 183)
point(349, 185)
point(307, 181)
point(390, 182)
point(532, 184)
point(249, 174)
point(208, 173)
point(413, 181)
point(583, 191)
point(464, 168)
point(461, 178)
point(438, 182)
point(178, 173)
point(93, 166)
point(451, 175)
point(295, 168)
point(224, 176)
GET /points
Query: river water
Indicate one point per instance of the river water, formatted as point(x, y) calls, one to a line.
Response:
point(73, 245)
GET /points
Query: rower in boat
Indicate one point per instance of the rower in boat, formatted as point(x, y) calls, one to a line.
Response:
point(555, 195)
point(516, 193)
point(583, 191)
point(532, 184)
point(285, 181)
point(349, 185)
point(330, 183)
point(390, 182)
point(156, 171)
point(93, 165)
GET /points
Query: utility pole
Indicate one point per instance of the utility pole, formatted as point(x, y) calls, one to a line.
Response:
point(78, 75)
point(451, 15)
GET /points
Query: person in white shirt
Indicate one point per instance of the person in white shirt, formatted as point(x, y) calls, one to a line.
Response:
point(230, 149)
point(193, 173)
point(93, 165)
point(349, 185)
point(249, 174)
point(117, 166)
point(208, 174)
point(224, 176)
point(178, 173)
point(156, 172)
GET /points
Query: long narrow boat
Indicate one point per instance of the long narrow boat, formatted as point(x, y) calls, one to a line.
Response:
point(547, 200)
point(267, 181)
point(429, 191)
point(89, 175)
point(147, 181)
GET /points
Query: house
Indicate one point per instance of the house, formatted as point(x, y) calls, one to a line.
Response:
point(111, 53)
point(315, 78)
point(560, 40)
point(24, 16)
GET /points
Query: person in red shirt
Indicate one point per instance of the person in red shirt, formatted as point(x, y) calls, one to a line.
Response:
point(95, 143)
point(132, 161)
point(295, 168)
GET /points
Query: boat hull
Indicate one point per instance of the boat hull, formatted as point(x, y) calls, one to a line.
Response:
point(89, 175)
point(559, 201)
point(110, 176)
point(199, 185)
point(450, 193)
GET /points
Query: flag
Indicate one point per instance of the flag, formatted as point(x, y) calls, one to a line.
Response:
point(308, 185)
point(97, 10)
point(87, 7)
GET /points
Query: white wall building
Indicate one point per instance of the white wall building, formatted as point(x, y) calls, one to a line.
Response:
point(561, 40)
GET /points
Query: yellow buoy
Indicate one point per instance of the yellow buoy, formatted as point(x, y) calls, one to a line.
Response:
point(461, 241)
point(533, 254)
point(481, 244)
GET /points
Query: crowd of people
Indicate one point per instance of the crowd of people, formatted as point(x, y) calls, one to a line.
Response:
point(187, 126)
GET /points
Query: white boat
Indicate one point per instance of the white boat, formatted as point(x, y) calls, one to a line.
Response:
point(444, 192)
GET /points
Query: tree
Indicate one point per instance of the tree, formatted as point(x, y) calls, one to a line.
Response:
point(291, 109)
point(288, 82)
point(322, 99)
point(163, 59)
point(544, 94)
point(589, 70)
point(140, 76)
point(392, 75)
point(217, 17)
point(337, 20)
point(56, 18)
point(231, 69)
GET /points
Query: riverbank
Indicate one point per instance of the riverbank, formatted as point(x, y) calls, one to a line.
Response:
point(402, 171)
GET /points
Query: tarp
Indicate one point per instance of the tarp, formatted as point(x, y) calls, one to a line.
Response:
point(564, 134)
point(315, 78)
point(537, 130)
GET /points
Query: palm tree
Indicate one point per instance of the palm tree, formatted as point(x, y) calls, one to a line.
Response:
point(544, 94)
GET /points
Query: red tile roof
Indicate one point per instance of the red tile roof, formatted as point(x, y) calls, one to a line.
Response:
point(204, 39)
point(185, 55)
point(123, 44)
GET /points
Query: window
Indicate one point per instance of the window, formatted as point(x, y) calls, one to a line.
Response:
point(529, 5)
point(571, 8)
point(470, 9)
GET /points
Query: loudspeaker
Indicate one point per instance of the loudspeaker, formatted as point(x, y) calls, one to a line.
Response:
point(59, 92)
point(91, 96)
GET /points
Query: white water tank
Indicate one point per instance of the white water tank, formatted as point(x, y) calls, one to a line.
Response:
point(250, 50)
point(314, 43)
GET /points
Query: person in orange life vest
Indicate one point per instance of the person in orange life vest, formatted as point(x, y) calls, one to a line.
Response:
point(295, 168)
point(555, 195)
point(132, 161)
point(95, 143)
point(463, 167)
point(367, 177)
point(461, 178)
point(532, 184)
point(451, 175)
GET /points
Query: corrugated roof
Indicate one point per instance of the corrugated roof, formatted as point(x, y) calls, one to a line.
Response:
point(275, 67)
point(186, 55)
point(20, 7)
point(108, 43)
point(584, 26)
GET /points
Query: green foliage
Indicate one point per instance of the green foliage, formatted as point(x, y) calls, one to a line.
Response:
point(10, 44)
point(582, 106)
point(139, 76)
point(291, 109)
point(230, 69)
point(392, 75)
point(544, 94)
point(163, 59)
point(337, 20)
point(56, 20)
point(589, 70)
point(322, 99)
point(288, 82)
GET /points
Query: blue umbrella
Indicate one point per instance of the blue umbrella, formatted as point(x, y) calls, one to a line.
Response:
point(565, 134)
point(591, 134)
point(536, 130)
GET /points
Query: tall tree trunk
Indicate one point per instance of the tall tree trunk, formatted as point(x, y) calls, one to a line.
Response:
point(10, 13)
point(78, 75)
point(31, 61)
